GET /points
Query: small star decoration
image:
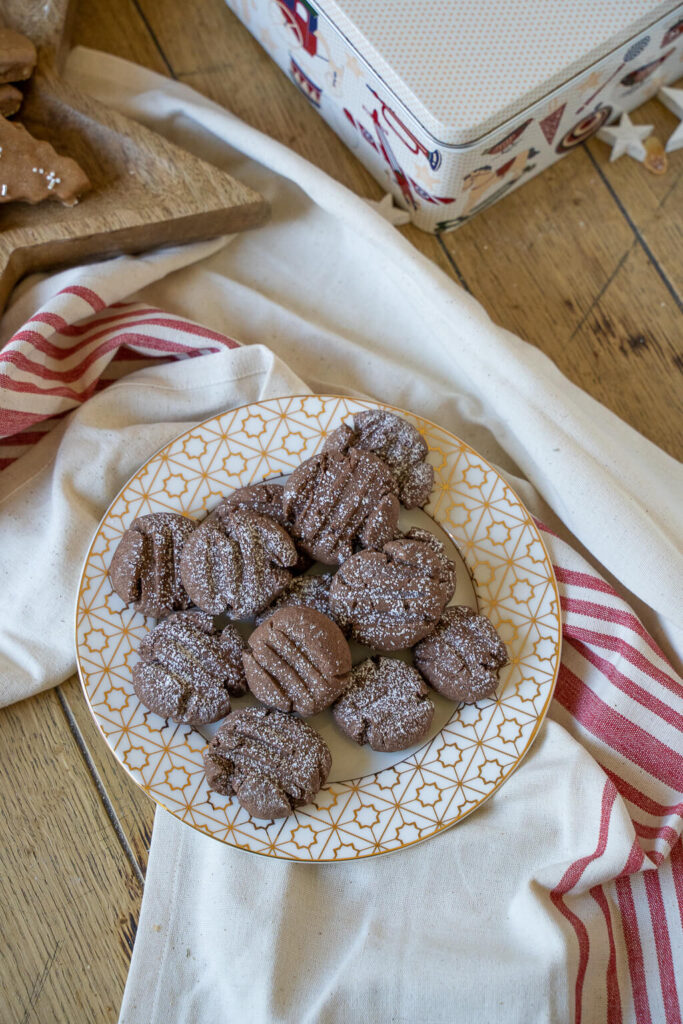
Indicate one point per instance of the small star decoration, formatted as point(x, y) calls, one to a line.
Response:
point(673, 99)
point(626, 137)
point(354, 67)
point(385, 207)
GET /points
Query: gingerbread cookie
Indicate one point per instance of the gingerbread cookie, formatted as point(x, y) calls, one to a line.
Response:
point(394, 597)
point(31, 170)
point(272, 762)
point(266, 499)
point(10, 100)
point(238, 562)
point(145, 569)
point(302, 592)
point(462, 657)
point(17, 56)
point(297, 660)
point(395, 441)
point(189, 669)
point(337, 501)
point(386, 705)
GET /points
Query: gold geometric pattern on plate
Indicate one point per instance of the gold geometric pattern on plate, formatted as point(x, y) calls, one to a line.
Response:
point(428, 791)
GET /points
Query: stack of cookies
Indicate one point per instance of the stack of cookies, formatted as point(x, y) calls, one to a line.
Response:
point(31, 171)
point(382, 588)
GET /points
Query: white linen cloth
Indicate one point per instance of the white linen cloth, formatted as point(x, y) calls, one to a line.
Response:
point(460, 928)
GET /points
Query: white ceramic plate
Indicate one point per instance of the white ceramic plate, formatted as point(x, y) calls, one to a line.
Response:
point(372, 803)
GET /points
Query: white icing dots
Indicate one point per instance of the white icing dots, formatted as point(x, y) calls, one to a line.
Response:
point(50, 177)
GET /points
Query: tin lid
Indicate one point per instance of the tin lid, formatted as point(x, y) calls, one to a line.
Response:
point(465, 67)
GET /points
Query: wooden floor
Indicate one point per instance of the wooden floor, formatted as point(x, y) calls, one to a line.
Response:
point(584, 262)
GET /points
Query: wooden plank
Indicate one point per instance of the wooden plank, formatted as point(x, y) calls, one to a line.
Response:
point(235, 71)
point(538, 259)
point(187, 52)
point(69, 896)
point(558, 263)
point(631, 354)
point(652, 202)
point(117, 26)
point(134, 809)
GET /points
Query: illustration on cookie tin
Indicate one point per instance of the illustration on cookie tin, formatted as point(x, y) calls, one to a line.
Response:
point(479, 181)
point(633, 51)
point(477, 184)
point(584, 128)
point(551, 122)
point(306, 85)
point(397, 126)
point(644, 72)
point(360, 127)
point(672, 34)
point(422, 192)
point(397, 171)
point(302, 19)
point(380, 144)
point(509, 140)
point(302, 23)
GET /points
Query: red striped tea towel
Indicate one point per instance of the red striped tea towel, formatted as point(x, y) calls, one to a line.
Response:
point(617, 694)
point(75, 347)
point(620, 698)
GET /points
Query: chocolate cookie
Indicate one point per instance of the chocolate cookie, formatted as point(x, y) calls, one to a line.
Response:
point(386, 705)
point(272, 762)
point(417, 533)
point(297, 660)
point(266, 499)
point(394, 597)
point(145, 568)
point(395, 441)
point(462, 657)
point(237, 562)
point(189, 669)
point(302, 592)
point(336, 501)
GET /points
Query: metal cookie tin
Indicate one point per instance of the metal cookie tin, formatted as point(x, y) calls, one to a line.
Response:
point(453, 105)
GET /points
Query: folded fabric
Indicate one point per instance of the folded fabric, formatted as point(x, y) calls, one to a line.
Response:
point(558, 898)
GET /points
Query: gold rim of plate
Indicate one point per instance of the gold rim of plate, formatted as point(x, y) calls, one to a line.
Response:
point(433, 788)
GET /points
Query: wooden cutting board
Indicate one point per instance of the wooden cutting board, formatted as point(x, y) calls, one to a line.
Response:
point(146, 192)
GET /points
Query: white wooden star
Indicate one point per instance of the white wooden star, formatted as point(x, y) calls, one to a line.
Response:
point(626, 137)
point(673, 99)
point(385, 207)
